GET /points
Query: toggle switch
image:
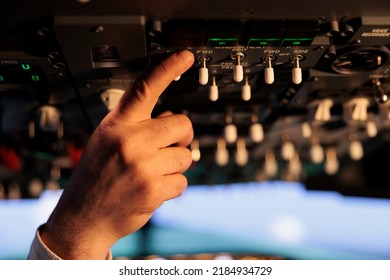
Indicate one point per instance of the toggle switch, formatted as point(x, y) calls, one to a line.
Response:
point(111, 97)
point(241, 155)
point(195, 151)
point(372, 129)
point(222, 153)
point(268, 70)
point(287, 148)
point(331, 163)
point(50, 120)
point(317, 153)
point(203, 71)
point(306, 130)
point(213, 91)
point(380, 94)
point(238, 72)
point(270, 164)
point(319, 110)
point(246, 90)
point(296, 71)
point(230, 130)
point(356, 151)
point(356, 109)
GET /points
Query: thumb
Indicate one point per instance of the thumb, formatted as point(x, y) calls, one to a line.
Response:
point(137, 104)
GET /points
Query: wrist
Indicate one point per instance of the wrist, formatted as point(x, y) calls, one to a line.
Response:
point(70, 239)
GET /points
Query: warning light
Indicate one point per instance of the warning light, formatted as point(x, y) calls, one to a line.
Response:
point(1, 78)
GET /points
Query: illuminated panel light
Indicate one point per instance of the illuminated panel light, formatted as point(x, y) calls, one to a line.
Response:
point(195, 151)
point(270, 165)
point(263, 41)
point(241, 156)
point(222, 41)
point(356, 151)
point(35, 78)
point(332, 164)
point(371, 129)
point(296, 41)
point(26, 66)
point(1, 78)
point(222, 154)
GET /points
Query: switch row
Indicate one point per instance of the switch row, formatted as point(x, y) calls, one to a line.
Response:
point(238, 70)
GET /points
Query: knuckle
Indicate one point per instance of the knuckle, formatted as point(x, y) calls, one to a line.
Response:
point(181, 185)
point(141, 89)
point(184, 121)
point(160, 126)
point(187, 158)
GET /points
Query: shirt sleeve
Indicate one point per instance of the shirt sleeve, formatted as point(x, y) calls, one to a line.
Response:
point(39, 251)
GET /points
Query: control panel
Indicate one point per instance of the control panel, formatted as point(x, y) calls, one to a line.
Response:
point(297, 98)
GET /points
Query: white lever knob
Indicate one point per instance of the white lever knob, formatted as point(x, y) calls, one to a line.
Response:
point(296, 72)
point(356, 109)
point(246, 91)
point(203, 76)
point(269, 75)
point(238, 73)
point(213, 91)
point(203, 72)
point(269, 72)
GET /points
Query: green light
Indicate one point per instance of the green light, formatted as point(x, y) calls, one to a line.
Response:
point(1, 78)
point(222, 39)
point(296, 41)
point(263, 41)
point(26, 66)
point(35, 78)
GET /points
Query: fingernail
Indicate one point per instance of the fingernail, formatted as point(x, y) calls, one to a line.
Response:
point(186, 56)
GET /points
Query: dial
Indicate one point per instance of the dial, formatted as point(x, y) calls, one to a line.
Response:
point(360, 60)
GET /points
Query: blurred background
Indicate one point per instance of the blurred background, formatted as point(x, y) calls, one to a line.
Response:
point(289, 103)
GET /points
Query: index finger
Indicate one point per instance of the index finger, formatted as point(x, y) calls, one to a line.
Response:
point(137, 104)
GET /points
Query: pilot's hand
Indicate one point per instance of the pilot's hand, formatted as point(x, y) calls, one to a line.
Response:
point(131, 165)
